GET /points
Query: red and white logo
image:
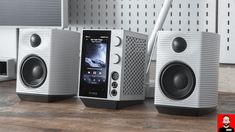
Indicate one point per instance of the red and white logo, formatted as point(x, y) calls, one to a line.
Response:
point(226, 122)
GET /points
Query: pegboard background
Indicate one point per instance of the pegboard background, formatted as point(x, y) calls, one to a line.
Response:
point(140, 15)
point(226, 27)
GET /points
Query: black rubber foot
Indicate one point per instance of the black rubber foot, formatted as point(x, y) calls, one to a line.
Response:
point(43, 98)
point(184, 110)
point(109, 104)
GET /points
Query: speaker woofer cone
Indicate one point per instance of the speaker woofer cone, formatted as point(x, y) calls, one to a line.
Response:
point(177, 81)
point(33, 71)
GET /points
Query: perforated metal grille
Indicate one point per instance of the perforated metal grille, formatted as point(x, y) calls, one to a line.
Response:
point(134, 66)
point(140, 15)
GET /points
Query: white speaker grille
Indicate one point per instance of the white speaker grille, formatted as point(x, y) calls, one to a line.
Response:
point(134, 66)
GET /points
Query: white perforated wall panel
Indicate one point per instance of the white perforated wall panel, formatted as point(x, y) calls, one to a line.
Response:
point(226, 28)
point(140, 15)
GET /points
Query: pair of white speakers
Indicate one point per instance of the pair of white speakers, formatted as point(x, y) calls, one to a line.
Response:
point(186, 75)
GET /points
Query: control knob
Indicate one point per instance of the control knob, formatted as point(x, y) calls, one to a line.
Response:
point(116, 59)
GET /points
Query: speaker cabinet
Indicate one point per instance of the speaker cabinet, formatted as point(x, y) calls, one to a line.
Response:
point(113, 68)
point(47, 64)
point(187, 72)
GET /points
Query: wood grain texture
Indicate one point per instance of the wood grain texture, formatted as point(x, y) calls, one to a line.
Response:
point(72, 115)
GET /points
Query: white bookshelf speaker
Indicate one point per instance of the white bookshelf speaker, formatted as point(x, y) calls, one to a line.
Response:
point(187, 72)
point(113, 65)
point(47, 65)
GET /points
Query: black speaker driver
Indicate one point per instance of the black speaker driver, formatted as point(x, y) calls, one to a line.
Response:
point(177, 81)
point(33, 71)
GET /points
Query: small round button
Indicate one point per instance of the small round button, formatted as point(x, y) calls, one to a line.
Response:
point(116, 59)
point(115, 76)
point(118, 41)
point(179, 45)
point(35, 40)
point(114, 85)
point(114, 93)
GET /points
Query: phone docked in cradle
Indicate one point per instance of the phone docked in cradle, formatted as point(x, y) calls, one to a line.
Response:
point(95, 64)
point(112, 72)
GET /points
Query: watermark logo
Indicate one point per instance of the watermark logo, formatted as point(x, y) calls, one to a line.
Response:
point(226, 122)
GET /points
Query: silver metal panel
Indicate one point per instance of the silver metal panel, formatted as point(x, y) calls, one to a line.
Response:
point(19, 13)
point(227, 30)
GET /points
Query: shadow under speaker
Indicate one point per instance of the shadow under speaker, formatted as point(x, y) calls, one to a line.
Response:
point(113, 65)
point(47, 64)
point(187, 72)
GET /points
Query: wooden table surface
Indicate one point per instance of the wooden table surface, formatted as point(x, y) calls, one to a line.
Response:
point(72, 115)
